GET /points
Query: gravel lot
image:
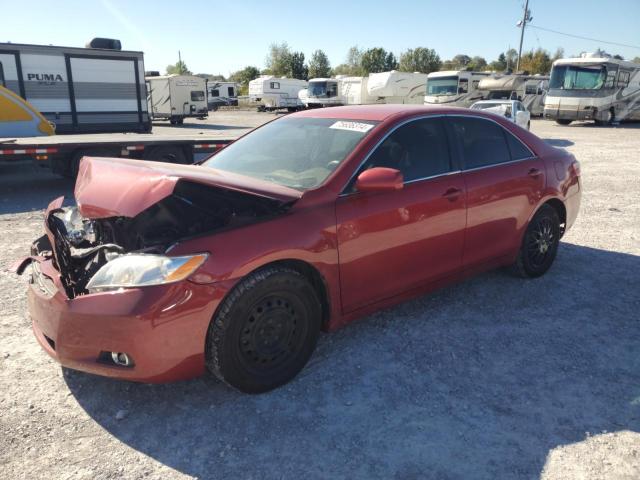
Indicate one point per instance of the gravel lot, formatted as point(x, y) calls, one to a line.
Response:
point(493, 378)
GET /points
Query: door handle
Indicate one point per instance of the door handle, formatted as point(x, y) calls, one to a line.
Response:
point(452, 194)
point(535, 172)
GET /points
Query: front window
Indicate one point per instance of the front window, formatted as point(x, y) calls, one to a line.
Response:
point(442, 86)
point(578, 77)
point(197, 96)
point(295, 152)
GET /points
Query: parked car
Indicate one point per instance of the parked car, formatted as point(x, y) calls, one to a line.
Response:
point(514, 110)
point(303, 224)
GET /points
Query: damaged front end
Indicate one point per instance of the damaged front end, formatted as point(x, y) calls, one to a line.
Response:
point(97, 254)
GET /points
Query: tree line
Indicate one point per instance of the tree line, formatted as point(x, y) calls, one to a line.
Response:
point(282, 61)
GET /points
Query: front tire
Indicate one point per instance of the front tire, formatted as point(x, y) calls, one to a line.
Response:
point(265, 330)
point(563, 121)
point(540, 244)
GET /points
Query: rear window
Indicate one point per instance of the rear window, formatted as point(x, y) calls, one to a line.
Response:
point(482, 141)
point(518, 150)
point(197, 95)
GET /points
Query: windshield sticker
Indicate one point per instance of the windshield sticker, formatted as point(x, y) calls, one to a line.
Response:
point(352, 126)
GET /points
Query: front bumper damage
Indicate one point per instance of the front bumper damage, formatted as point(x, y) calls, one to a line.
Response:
point(161, 328)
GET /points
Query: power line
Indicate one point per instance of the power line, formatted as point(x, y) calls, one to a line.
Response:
point(583, 38)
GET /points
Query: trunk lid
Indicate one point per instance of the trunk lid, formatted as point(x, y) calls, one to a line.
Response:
point(116, 187)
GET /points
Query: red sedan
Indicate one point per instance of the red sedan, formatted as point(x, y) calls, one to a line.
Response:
point(312, 220)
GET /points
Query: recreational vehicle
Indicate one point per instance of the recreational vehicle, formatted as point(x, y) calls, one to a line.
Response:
point(354, 91)
point(275, 93)
point(397, 87)
point(454, 87)
point(95, 89)
point(176, 97)
point(221, 94)
point(529, 89)
point(593, 87)
point(323, 92)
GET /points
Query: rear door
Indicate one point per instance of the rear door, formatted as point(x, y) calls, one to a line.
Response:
point(504, 181)
point(390, 242)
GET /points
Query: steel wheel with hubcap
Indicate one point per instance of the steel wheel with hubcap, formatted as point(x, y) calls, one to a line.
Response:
point(540, 243)
point(265, 330)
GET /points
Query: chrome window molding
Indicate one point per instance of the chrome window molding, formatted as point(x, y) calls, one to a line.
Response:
point(344, 193)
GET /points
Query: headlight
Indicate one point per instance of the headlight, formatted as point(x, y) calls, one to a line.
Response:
point(140, 270)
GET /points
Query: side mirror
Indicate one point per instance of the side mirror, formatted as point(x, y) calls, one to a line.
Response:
point(379, 179)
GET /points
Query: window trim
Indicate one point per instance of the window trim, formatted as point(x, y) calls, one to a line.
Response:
point(457, 159)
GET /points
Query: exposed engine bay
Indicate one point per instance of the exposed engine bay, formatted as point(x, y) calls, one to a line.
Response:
point(83, 245)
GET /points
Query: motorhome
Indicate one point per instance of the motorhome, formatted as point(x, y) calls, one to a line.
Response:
point(397, 87)
point(323, 92)
point(529, 89)
point(176, 97)
point(221, 94)
point(275, 93)
point(95, 89)
point(454, 87)
point(595, 87)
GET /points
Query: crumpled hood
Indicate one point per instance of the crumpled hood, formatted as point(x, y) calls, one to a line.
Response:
point(117, 187)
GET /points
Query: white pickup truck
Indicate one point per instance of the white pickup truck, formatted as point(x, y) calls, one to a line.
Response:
point(514, 110)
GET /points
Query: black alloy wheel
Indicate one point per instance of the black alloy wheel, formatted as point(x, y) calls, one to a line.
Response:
point(540, 244)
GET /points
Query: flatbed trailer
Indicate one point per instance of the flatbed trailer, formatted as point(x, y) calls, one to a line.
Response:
point(63, 153)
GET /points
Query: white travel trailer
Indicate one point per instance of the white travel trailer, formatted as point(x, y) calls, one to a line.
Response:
point(354, 91)
point(529, 89)
point(81, 90)
point(323, 92)
point(221, 94)
point(457, 88)
point(397, 87)
point(176, 97)
point(593, 87)
point(275, 93)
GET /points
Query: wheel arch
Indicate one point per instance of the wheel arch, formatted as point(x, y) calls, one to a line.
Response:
point(305, 268)
point(560, 209)
point(317, 280)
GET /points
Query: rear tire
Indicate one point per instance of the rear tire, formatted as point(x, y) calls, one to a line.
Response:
point(539, 245)
point(265, 330)
point(609, 118)
point(563, 121)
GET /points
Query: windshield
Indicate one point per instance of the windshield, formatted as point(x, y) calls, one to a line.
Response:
point(442, 86)
point(295, 152)
point(322, 89)
point(574, 77)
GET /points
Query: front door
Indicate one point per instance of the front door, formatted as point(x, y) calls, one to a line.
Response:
point(390, 242)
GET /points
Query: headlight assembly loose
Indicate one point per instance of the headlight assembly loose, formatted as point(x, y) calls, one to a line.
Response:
point(141, 270)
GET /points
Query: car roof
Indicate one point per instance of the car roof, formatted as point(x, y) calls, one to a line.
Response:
point(376, 112)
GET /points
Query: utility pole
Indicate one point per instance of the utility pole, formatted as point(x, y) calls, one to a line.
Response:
point(180, 59)
point(526, 17)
